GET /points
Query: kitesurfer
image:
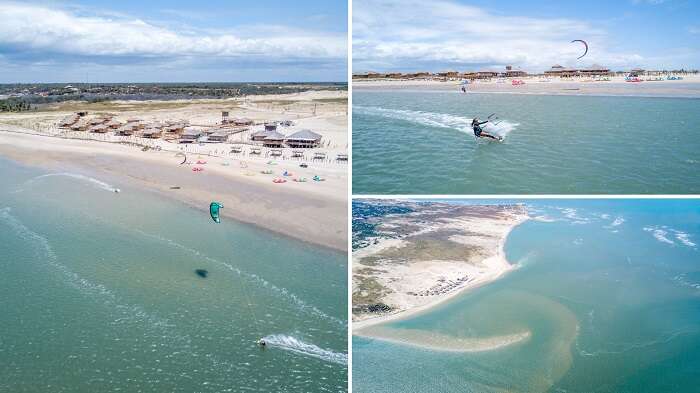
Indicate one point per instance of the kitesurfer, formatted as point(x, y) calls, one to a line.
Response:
point(479, 133)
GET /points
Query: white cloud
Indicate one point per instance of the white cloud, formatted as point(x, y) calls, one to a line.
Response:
point(396, 34)
point(42, 29)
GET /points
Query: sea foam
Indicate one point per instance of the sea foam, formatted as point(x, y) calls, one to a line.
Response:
point(435, 119)
point(296, 345)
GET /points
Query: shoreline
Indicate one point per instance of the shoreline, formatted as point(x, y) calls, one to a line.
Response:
point(506, 266)
point(310, 215)
point(688, 88)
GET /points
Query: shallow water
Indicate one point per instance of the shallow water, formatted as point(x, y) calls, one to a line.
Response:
point(609, 291)
point(99, 293)
point(420, 142)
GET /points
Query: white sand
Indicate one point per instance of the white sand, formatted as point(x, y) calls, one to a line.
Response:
point(419, 276)
point(312, 211)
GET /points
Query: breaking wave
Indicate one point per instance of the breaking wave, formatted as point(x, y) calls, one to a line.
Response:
point(295, 345)
point(434, 119)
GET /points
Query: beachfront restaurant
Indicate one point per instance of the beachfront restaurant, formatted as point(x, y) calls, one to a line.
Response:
point(190, 135)
point(595, 70)
point(274, 139)
point(304, 139)
point(218, 136)
point(259, 136)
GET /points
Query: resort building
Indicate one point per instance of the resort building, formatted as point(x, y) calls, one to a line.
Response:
point(304, 139)
point(274, 139)
point(260, 135)
point(218, 136)
point(190, 135)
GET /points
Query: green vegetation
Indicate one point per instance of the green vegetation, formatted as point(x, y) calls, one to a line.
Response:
point(14, 105)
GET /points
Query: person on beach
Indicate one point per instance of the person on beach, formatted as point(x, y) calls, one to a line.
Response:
point(479, 133)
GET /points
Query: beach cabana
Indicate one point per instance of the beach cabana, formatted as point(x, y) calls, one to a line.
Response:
point(125, 130)
point(274, 139)
point(260, 135)
point(190, 135)
point(100, 129)
point(275, 153)
point(341, 157)
point(304, 139)
point(152, 133)
point(218, 136)
point(319, 156)
point(242, 121)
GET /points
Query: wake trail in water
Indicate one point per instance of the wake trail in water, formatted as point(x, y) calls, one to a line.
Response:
point(295, 345)
point(433, 119)
point(96, 182)
point(300, 304)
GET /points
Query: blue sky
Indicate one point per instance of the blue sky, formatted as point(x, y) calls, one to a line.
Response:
point(411, 35)
point(173, 41)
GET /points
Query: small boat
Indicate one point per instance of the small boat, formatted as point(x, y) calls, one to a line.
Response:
point(278, 180)
point(266, 172)
point(301, 180)
point(318, 178)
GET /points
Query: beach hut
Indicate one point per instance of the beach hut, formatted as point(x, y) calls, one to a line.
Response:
point(274, 139)
point(304, 139)
point(275, 153)
point(152, 133)
point(242, 122)
point(113, 124)
point(100, 129)
point(125, 130)
point(260, 135)
point(190, 135)
point(81, 125)
point(341, 157)
point(319, 156)
point(218, 136)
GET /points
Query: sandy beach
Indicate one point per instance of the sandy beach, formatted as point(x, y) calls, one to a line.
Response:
point(311, 211)
point(616, 86)
point(417, 285)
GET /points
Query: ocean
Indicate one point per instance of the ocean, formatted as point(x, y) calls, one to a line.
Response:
point(421, 142)
point(99, 294)
point(608, 290)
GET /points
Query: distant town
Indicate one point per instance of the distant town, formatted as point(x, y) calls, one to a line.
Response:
point(510, 72)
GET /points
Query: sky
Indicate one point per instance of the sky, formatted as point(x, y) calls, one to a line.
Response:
point(533, 35)
point(173, 41)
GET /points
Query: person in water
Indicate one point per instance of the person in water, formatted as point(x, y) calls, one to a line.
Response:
point(479, 133)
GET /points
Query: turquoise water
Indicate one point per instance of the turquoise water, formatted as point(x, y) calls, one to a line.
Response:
point(99, 294)
point(420, 142)
point(609, 290)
